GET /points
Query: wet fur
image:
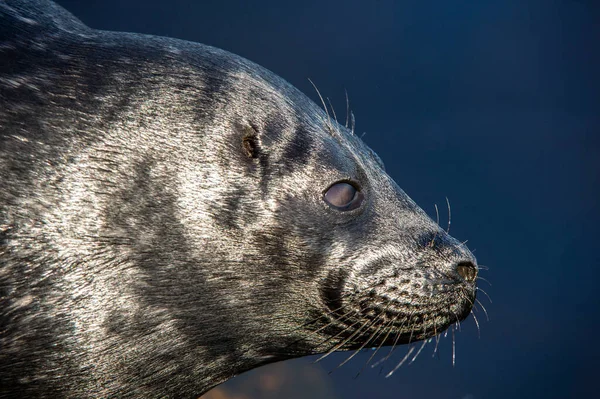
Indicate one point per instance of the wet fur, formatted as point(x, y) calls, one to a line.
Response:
point(162, 226)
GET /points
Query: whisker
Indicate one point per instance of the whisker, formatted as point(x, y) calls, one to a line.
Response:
point(486, 294)
point(376, 332)
point(332, 110)
point(333, 338)
point(484, 309)
point(482, 267)
point(437, 338)
point(437, 221)
point(339, 333)
point(476, 323)
point(352, 121)
point(322, 328)
point(344, 342)
point(457, 320)
point(425, 342)
point(388, 327)
point(330, 313)
point(355, 352)
point(483, 279)
point(341, 318)
point(395, 342)
point(410, 350)
point(469, 299)
point(347, 108)
point(453, 347)
point(412, 330)
point(348, 295)
point(331, 322)
point(322, 101)
point(449, 216)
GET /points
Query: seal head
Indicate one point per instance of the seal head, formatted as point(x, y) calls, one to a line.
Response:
point(172, 215)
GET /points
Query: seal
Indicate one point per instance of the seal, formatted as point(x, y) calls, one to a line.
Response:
point(172, 215)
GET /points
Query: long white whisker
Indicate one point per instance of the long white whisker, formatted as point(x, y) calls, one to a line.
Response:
point(425, 341)
point(347, 108)
point(483, 279)
point(437, 338)
point(437, 221)
point(477, 323)
point(389, 330)
point(395, 342)
point(453, 348)
point(411, 350)
point(484, 309)
point(332, 110)
point(486, 294)
point(322, 101)
point(449, 215)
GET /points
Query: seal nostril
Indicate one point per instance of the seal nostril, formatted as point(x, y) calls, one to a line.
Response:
point(467, 270)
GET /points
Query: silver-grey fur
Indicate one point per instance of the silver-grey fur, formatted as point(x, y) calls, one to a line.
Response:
point(162, 222)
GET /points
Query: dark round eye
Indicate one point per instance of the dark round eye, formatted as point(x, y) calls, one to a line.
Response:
point(343, 196)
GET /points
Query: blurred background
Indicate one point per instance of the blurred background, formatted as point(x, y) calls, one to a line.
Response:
point(493, 104)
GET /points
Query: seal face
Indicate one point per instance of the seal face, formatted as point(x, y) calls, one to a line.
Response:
point(172, 215)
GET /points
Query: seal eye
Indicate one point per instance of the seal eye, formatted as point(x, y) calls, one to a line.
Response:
point(343, 196)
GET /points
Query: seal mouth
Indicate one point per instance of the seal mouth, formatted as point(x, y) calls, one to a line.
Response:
point(384, 314)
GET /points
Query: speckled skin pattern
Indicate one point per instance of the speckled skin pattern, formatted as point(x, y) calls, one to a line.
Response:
point(162, 222)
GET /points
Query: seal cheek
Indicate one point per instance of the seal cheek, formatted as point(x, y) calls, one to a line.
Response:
point(333, 289)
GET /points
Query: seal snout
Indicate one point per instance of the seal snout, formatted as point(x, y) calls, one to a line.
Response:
point(467, 270)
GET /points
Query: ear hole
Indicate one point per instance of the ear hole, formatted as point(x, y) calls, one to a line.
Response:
point(250, 143)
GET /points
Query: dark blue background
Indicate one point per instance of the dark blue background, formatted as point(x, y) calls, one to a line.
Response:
point(493, 104)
